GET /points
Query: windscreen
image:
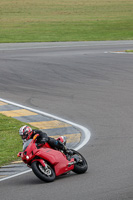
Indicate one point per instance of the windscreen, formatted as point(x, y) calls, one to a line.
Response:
point(26, 143)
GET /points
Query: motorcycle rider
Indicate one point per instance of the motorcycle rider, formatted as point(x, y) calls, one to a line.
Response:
point(27, 133)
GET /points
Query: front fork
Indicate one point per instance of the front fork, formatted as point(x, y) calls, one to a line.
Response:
point(41, 161)
point(44, 167)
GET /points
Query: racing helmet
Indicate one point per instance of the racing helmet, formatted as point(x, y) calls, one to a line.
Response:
point(25, 132)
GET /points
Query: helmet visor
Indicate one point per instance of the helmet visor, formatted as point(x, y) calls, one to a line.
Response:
point(23, 137)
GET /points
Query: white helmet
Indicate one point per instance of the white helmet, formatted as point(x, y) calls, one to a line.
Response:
point(25, 132)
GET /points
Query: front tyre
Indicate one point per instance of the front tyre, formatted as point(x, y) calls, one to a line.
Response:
point(82, 166)
point(46, 174)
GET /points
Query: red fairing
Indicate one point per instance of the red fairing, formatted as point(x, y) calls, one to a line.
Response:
point(56, 158)
point(47, 163)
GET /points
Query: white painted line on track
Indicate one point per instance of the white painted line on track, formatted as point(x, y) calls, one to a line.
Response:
point(15, 175)
point(87, 133)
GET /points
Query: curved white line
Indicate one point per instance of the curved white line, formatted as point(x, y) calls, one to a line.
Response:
point(86, 132)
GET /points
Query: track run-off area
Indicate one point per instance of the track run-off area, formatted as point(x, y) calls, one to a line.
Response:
point(86, 83)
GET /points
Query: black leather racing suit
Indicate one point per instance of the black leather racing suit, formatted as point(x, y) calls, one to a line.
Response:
point(43, 137)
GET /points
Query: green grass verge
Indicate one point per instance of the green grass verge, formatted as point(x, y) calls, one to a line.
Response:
point(129, 51)
point(61, 20)
point(10, 141)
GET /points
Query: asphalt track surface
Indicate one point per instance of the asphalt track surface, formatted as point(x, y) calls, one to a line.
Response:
point(88, 83)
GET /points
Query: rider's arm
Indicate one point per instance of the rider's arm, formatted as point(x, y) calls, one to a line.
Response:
point(42, 138)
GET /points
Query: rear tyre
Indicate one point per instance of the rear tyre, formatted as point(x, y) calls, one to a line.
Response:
point(45, 174)
point(82, 166)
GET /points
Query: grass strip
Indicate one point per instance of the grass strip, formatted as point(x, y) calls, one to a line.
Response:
point(61, 20)
point(129, 51)
point(10, 142)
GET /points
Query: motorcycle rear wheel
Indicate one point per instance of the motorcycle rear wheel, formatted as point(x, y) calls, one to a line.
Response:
point(47, 175)
point(80, 167)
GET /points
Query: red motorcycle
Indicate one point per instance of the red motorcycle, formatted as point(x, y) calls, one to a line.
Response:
point(47, 163)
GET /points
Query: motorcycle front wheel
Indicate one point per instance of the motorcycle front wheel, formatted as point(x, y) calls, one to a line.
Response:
point(46, 174)
point(82, 166)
